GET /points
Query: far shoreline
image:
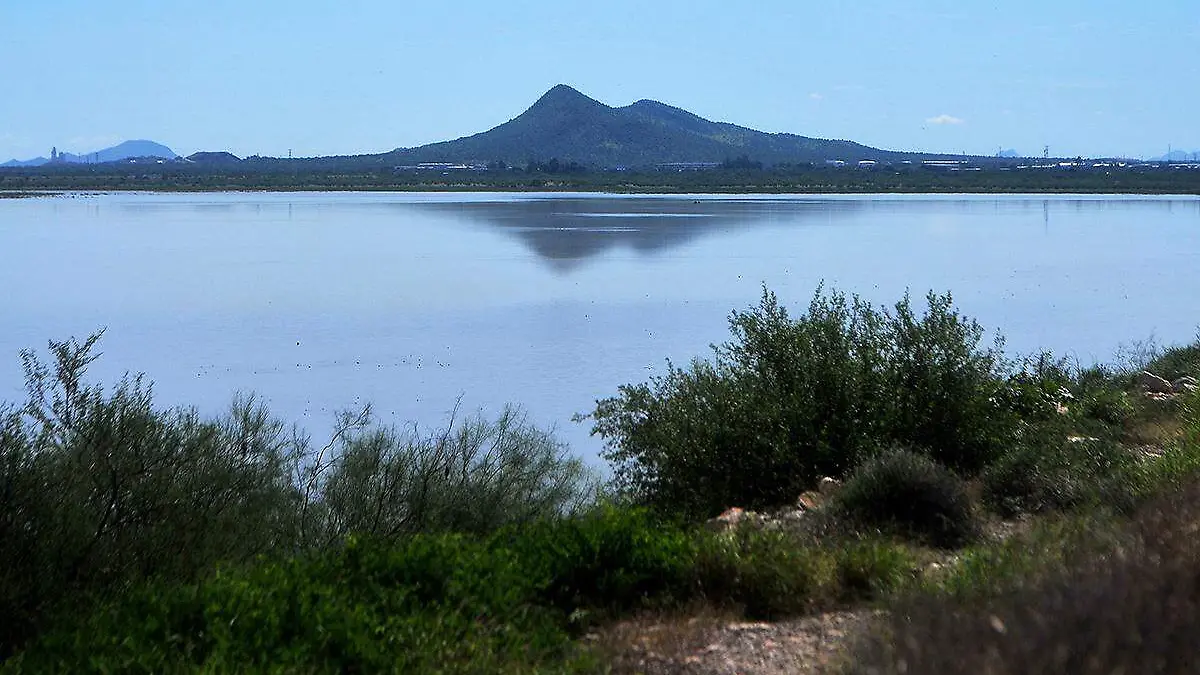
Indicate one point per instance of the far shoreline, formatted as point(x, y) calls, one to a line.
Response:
point(663, 191)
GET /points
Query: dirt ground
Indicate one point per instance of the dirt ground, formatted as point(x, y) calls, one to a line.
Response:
point(713, 645)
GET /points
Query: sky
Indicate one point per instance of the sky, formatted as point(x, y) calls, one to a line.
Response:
point(321, 77)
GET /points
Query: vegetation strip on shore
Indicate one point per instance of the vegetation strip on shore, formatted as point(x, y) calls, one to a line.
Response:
point(996, 514)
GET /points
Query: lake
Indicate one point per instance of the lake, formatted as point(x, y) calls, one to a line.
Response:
point(321, 301)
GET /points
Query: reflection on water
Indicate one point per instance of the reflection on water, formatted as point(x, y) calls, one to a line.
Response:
point(321, 300)
point(565, 232)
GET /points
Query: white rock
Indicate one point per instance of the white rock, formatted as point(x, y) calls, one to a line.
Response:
point(1153, 384)
point(828, 487)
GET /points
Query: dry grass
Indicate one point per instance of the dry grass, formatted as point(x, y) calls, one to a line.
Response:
point(1134, 609)
point(655, 643)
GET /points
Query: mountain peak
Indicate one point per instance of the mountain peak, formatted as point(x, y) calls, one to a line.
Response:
point(567, 125)
point(562, 96)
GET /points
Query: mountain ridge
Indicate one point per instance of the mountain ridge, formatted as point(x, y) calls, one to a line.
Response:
point(570, 126)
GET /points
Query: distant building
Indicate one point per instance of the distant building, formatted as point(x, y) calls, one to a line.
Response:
point(442, 166)
point(688, 166)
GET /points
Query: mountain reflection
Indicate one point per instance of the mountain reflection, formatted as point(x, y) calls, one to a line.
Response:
point(565, 232)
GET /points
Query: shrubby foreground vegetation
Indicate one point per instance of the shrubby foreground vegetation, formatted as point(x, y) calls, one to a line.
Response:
point(137, 538)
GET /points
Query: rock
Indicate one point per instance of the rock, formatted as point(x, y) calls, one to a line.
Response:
point(1185, 384)
point(751, 626)
point(810, 500)
point(728, 520)
point(1153, 384)
point(828, 487)
point(736, 517)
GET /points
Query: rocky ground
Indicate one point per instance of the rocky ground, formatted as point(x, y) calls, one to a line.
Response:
point(708, 645)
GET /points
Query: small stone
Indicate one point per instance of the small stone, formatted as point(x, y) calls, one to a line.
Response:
point(810, 500)
point(1153, 384)
point(791, 514)
point(998, 625)
point(829, 487)
point(1185, 384)
point(756, 625)
point(728, 520)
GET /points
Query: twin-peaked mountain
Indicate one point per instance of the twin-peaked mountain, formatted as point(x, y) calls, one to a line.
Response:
point(571, 127)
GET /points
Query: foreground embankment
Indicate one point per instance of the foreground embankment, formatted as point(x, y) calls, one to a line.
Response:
point(872, 483)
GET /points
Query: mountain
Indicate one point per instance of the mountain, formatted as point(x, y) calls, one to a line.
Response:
point(220, 157)
point(36, 161)
point(567, 125)
point(117, 153)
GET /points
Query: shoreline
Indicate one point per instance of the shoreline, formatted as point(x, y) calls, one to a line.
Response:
point(666, 191)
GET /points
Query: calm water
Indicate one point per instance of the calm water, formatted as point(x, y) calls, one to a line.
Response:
point(321, 301)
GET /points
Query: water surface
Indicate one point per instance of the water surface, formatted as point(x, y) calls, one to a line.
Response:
point(320, 301)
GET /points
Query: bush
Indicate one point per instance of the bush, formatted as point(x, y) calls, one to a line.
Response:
point(765, 575)
point(1132, 606)
point(1054, 474)
point(1175, 362)
point(100, 491)
point(609, 561)
point(912, 495)
point(790, 400)
point(477, 476)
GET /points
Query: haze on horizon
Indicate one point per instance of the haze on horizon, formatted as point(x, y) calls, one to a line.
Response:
point(1086, 77)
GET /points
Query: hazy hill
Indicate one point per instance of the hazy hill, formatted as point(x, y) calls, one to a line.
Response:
point(570, 126)
point(119, 152)
point(220, 157)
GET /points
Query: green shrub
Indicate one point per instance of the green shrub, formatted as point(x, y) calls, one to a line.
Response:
point(1055, 475)
point(790, 400)
point(477, 476)
point(609, 561)
point(100, 490)
point(871, 569)
point(765, 575)
point(1179, 463)
point(1175, 362)
point(909, 494)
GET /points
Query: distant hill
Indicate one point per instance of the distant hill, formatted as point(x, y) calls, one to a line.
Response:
point(571, 127)
point(138, 149)
point(213, 158)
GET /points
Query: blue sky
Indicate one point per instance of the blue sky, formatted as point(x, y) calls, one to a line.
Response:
point(1086, 77)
